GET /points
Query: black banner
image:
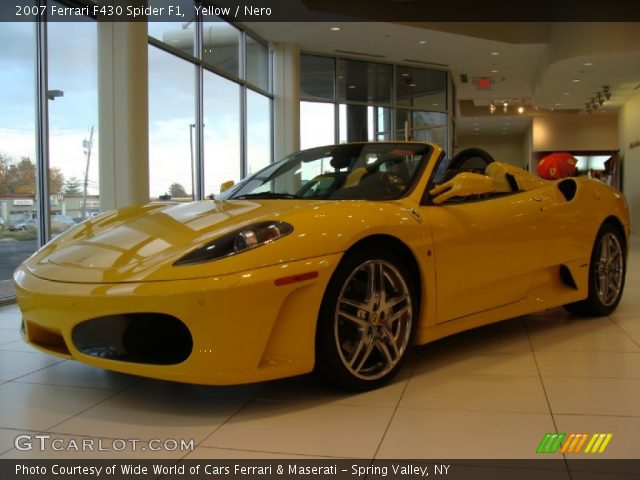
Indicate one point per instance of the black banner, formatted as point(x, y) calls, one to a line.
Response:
point(338, 469)
point(322, 10)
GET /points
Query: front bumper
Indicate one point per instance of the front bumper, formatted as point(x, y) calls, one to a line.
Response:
point(244, 327)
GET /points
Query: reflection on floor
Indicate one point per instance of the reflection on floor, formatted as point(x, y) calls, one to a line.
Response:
point(490, 393)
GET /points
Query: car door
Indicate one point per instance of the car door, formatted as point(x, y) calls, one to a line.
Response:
point(486, 250)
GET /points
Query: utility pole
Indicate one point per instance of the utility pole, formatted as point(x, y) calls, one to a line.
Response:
point(87, 145)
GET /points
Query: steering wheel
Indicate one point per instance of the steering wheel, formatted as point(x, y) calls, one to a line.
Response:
point(468, 155)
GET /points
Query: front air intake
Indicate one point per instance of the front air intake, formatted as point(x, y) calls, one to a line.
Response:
point(153, 338)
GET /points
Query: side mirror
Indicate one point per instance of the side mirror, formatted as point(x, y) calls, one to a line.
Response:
point(461, 185)
point(226, 185)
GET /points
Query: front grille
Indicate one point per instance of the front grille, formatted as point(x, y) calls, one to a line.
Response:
point(153, 338)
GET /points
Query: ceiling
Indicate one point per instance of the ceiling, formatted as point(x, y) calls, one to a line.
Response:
point(548, 68)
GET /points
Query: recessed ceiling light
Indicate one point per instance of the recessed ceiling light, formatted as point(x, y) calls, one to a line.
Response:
point(404, 74)
point(588, 64)
point(494, 71)
point(557, 104)
point(352, 86)
point(495, 54)
point(436, 104)
point(575, 80)
point(412, 84)
point(422, 42)
point(566, 93)
point(476, 129)
point(335, 29)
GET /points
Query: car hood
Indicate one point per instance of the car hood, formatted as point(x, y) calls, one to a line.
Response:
point(142, 243)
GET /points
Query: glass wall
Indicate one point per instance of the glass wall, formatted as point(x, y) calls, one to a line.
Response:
point(216, 125)
point(18, 189)
point(73, 123)
point(222, 142)
point(370, 101)
point(171, 125)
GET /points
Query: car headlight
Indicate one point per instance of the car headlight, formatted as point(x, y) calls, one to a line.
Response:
point(238, 241)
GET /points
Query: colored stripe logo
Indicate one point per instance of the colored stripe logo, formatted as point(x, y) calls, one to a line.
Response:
point(574, 442)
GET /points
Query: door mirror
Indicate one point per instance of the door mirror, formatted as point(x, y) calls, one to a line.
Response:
point(226, 185)
point(462, 185)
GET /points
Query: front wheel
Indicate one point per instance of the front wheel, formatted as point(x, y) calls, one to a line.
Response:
point(607, 271)
point(367, 321)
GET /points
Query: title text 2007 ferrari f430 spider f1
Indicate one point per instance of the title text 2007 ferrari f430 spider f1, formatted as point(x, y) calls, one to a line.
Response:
point(337, 258)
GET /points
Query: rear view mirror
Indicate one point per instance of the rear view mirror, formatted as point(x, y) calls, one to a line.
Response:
point(462, 185)
point(226, 185)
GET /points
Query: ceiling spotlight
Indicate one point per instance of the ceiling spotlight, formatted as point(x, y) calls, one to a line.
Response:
point(505, 107)
point(492, 108)
point(575, 80)
point(495, 54)
point(607, 92)
point(412, 84)
point(335, 29)
point(588, 64)
point(494, 71)
point(566, 93)
point(422, 42)
point(521, 109)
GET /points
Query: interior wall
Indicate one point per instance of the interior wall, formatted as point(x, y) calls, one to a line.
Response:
point(598, 131)
point(504, 148)
point(629, 127)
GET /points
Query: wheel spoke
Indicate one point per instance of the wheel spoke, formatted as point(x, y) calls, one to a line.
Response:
point(391, 319)
point(371, 283)
point(352, 318)
point(385, 351)
point(382, 296)
point(392, 341)
point(365, 356)
point(354, 303)
point(357, 351)
point(395, 301)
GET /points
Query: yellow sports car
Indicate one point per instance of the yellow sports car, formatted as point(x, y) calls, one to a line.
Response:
point(337, 258)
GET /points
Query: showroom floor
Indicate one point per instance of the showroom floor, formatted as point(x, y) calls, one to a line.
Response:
point(490, 393)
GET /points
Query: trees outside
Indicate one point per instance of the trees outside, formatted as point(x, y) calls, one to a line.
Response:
point(72, 186)
point(20, 176)
point(177, 190)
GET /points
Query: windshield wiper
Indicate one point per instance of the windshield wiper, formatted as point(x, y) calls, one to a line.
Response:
point(265, 195)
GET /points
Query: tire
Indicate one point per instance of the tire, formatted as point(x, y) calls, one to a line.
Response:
point(367, 321)
point(607, 271)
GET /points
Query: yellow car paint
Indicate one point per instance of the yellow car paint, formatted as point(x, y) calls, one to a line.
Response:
point(480, 261)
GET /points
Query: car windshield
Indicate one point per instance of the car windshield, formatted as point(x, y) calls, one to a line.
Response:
point(356, 171)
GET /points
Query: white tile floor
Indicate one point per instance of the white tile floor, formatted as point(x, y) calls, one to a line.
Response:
point(490, 393)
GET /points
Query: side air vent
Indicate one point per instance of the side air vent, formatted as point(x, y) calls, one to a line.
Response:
point(568, 188)
point(567, 278)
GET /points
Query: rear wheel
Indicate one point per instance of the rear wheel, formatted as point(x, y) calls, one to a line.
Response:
point(607, 271)
point(367, 321)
